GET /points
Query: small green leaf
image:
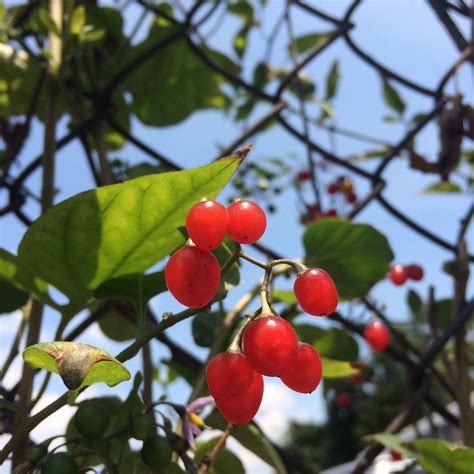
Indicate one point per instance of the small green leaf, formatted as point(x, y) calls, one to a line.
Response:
point(369, 154)
point(415, 303)
point(117, 230)
point(439, 457)
point(356, 256)
point(205, 328)
point(284, 296)
point(308, 333)
point(313, 40)
point(392, 442)
point(240, 40)
point(48, 22)
point(332, 80)
point(251, 437)
point(468, 155)
point(443, 187)
point(244, 9)
point(232, 277)
point(337, 344)
point(92, 35)
point(117, 326)
point(392, 98)
point(79, 365)
point(334, 369)
point(137, 288)
point(78, 20)
point(11, 298)
point(180, 370)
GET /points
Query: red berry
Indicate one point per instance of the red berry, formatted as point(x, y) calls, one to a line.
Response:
point(241, 409)
point(193, 276)
point(333, 188)
point(415, 272)
point(398, 274)
point(207, 223)
point(303, 175)
point(313, 208)
point(343, 400)
point(247, 222)
point(396, 456)
point(228, 375)
point(305, 373)
point(331, 213)
point(351, 198)
point(357, 379)
point(270, 345)
point(377, 335)
point(316, 292)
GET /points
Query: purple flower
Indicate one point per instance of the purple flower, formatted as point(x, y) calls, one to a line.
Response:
point(192, 424)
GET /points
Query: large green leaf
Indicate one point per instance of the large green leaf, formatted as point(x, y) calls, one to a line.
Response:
point(23, 278)
point(357, 256)
point(305, 42)
point(392, 97)
point(251, 437)
point(10, 297)
point(439, 457)
point(117, 326)
point(205, 328)
point(173, 83)
point(335, 369)
point(79, 365)
point(117, 230)
point(226, 462)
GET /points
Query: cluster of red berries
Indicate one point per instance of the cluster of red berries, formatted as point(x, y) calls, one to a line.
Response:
point(270, 347)
point(193, 274)
point(345, 186)
point(399, 274)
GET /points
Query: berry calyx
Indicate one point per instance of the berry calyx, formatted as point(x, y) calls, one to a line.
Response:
point(193, 276)
point(141, 426)
point(316, 292)
point(247, 222)
point(398, 274)
point(304, 375)
point(377, 336)
point(228, 374)
point(241, 409)
point(91, 420)
point(333, 188)
point(60, 462)
point(343, 400)
point(156, 452)
point(270, 345)
point(207, 223)
point(415, 272)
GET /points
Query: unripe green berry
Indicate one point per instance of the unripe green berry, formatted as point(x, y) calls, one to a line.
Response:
point(141, 426)
point(156, 451)
point(60, 463)
point(91, 420)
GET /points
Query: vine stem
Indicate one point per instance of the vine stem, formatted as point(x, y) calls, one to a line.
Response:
point(211, 457)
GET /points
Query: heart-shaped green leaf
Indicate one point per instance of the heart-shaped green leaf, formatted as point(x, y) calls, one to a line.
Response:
point(117, 230)
point(79, 365)
point(357, 256)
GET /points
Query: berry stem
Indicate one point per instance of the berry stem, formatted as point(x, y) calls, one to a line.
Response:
point(299, 268)
point(253, 260)
point(264, 296)
point(234, 346)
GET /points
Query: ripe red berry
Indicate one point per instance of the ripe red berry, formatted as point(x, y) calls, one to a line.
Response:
point(228, 375)
point(331, 213)
point(398, 274)
point(241, 409)
point(303, 175)
point(305, 373)
point(270, 345)
point(351, 198)
point(193, 276)
point(316, 292)
point(343, 400)
point(377, 335)
point(247, 222)
point(415, 272)
point(396, 456)
point(333, 188)
point(207, 223)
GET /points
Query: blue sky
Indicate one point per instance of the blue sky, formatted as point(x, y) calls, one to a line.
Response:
point(404, 35)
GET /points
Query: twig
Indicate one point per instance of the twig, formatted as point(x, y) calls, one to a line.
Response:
point(211, 457)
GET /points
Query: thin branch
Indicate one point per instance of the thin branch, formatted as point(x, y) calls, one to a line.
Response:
point(211, 457)
point(363, 203)
point(466, 54)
